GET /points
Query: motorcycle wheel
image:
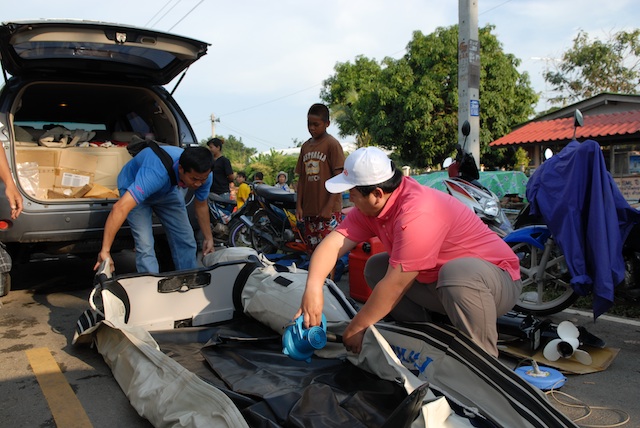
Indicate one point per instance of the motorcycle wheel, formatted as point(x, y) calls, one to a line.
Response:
point(550, 295)
point(262, 223)
point(239, 234)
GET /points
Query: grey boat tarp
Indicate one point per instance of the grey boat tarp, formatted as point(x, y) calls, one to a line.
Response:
point(225, 368)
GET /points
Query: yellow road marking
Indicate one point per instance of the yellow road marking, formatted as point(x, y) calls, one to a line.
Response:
point(63, 403)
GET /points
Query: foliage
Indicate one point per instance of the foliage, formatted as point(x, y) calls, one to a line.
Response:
point(521, 158)
point(244, 159)
point(591, 67)
point(272, 163)
point(235, 150)
point(621, 309)
point(410, 105)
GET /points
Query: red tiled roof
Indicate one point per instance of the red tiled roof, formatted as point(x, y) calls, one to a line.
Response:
point(562, 129)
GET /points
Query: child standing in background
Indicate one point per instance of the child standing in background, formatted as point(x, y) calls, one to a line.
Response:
point(243, 189)
point(281, 181)
point(321, 157)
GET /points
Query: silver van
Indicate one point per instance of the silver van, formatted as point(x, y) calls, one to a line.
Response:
point(75, 95)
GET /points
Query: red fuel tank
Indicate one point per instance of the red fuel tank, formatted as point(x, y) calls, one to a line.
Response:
point(358, 288)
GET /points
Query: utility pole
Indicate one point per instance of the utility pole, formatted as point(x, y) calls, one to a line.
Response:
point(213, 125)
point(469, 75)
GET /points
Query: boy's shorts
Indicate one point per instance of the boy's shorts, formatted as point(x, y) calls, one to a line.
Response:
point(316, 228)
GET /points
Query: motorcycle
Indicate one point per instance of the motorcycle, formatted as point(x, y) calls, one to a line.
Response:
point(554, 291)
point(223, 217)
point(273, 226)
point(239, 233)
point(221, 211)
point(545, 275)
point(463, 185)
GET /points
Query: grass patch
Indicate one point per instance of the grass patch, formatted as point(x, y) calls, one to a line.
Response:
point(620, 308)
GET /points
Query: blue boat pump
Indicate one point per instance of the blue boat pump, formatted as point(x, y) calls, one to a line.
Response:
point(300, 343)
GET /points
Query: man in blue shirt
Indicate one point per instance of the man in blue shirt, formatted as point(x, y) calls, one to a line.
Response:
point(145, 188)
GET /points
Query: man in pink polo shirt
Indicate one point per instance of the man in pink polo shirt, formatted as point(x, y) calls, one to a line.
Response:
point(439, 255)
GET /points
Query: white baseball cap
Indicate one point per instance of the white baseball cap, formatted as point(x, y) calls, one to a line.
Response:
point(364, 167)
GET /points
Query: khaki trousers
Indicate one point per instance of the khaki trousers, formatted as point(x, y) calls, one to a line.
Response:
point(472, 292)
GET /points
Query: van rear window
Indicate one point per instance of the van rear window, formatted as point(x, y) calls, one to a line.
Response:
point(68, 125)
point(152, 59)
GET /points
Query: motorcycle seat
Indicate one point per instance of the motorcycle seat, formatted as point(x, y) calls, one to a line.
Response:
point(219, 199)
point(275, 194)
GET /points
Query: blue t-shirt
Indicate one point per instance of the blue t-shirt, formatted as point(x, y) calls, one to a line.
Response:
point(145, 175)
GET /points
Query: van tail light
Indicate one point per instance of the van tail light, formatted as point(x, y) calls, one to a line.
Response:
point(5, 224)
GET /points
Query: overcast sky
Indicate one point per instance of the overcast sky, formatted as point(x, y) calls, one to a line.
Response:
point(267, 59)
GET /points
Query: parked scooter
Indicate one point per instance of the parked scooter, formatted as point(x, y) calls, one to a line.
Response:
point(223, 216)
point(239, 232)
point(273, 226)
point(463, 185)
point(220, 214)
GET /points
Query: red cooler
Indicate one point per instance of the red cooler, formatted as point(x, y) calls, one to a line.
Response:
point(358, 288)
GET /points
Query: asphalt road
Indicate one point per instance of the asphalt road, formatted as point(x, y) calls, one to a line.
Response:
point(38, 318)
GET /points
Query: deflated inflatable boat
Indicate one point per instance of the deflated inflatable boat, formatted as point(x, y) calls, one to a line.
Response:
point(203, 348)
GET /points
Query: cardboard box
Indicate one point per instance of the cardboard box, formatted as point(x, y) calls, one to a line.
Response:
point(75, 169)
point(72, 178)
point(46, 176)
point(68, 192)
point(101, 192)
point(41, 156)
point(77, 161)
point(63, 169)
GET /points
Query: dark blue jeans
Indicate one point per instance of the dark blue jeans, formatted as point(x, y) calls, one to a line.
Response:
point(171, 211)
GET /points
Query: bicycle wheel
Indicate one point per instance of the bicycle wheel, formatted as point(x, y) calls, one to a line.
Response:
point(544, 292)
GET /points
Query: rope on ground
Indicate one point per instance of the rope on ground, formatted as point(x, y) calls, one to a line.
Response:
point(589, 410)
point(578, 404)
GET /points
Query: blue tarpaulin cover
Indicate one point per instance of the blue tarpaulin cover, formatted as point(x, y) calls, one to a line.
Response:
point(588, 216)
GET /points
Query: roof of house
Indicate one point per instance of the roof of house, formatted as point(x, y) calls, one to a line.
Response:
point(595, 126)
point(606, 102)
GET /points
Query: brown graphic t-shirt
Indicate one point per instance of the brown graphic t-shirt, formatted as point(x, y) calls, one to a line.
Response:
point(319, 160)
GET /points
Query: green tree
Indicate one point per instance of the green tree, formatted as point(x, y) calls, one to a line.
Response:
point(521, 159)
point(410, 105)
point(342, 93)
point(591, 67)
point(270, 164)
point(245, 159)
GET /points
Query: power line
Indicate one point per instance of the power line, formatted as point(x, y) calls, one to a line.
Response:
point(318, 84)
point(308, 88)
point(180, 20)
point(265, 143)
point(495, 7)
point(161, 9)
point(272, 101)
point(167, 12)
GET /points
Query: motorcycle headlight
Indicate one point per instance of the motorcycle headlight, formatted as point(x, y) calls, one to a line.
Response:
point(491, 207)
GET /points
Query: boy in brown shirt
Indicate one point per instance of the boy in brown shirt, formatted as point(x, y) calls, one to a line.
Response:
point(321, 157)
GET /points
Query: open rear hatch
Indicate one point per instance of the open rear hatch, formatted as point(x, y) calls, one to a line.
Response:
point(55, 47)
